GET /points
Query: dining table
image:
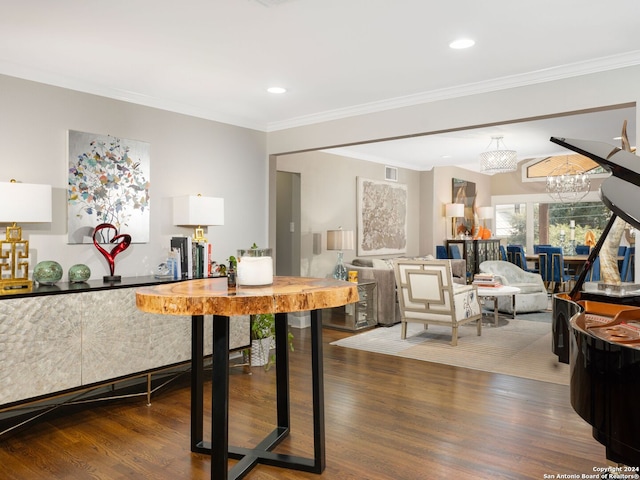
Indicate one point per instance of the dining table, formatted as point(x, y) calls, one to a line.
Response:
point(574, 263)
point(212, 296)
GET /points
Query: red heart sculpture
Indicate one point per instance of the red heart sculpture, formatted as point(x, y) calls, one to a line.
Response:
point(122, 243)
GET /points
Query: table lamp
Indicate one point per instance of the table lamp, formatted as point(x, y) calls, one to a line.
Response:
point(453, 211)
point(24, 203)
point(197, 211)
point(485, 213)
point(340, 240)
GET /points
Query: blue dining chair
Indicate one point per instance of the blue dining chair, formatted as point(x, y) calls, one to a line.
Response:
point(503, 254)
point(441, 252)
point(536, 248)
point(594, 272)
point(553, 269)
point(515, 255)
point(627, 273)
point(582, 249)
point(454, 252)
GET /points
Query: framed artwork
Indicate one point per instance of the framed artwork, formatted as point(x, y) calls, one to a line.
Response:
point(108, 183)
point(464, 192)
point(382, 217)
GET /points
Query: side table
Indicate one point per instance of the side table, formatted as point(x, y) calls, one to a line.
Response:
point(495, 292)
point(355, 316)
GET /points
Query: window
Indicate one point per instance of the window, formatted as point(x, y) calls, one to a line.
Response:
point(550, 223)
point(511, 223)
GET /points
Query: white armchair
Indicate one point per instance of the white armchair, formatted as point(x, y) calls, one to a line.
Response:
point(533, 293)
point(428, 295)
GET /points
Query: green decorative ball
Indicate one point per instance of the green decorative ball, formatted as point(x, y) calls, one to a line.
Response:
point(47, 272)
point(79, 273)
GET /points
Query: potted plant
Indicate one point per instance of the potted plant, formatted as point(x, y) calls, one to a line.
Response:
point(263, 331)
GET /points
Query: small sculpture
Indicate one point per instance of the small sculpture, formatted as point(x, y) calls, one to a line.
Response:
point(121, 242)
point(609, 272)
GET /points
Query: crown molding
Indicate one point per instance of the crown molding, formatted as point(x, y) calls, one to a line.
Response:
point(40, 76)
point(540, 76)
point(556, 73)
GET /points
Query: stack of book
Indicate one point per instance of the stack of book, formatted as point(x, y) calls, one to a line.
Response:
point(194, 258)
point(485, 280)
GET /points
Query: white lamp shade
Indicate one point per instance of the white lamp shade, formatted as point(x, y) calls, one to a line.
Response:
point(25, 203)
point(485, 212)
point(454, 210)
point(340, 240)
point(196, 210)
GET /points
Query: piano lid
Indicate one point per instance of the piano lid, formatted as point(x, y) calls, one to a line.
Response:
point(620, 191)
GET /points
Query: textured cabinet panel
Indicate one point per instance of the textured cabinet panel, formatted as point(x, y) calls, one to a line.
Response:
point(475, 252)
point(59, 342)
point(40, 346)
point(116, 336)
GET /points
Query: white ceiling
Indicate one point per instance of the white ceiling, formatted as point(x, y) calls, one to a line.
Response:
point(215, 58)
point(530, 139)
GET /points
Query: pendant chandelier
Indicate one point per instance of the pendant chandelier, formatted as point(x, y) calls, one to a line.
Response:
point(568, 183)
point(499, 160)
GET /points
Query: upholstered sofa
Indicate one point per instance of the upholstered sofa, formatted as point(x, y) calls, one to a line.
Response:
point(533, 294)
point(381, 270)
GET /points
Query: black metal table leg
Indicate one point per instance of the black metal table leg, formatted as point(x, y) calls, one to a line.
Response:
point(317, 371)
point(220, 399)
point(282, 371)
point(219, 448)
point(197, 380)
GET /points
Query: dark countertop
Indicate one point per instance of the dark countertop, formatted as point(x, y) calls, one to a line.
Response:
point(89, 286)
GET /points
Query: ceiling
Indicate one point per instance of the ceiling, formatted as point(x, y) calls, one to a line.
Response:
point(337, 58)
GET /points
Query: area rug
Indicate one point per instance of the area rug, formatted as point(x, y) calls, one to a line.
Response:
point(517, 347)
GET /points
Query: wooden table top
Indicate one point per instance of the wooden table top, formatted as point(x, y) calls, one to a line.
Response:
point(568, 258)
point(211, 296)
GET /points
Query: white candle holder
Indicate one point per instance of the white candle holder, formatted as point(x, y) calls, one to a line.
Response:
point(255, 267)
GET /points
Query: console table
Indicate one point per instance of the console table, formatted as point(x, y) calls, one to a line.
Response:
point(212, 297)
point(475, 252)
point(77, 336)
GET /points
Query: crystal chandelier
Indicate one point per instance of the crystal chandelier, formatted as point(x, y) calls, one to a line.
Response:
point(499, 160)
point(568, 183)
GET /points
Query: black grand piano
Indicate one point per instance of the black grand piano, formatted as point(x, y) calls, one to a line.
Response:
point(598, 334)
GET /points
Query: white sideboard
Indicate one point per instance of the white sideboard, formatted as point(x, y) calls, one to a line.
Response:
point(68, 337)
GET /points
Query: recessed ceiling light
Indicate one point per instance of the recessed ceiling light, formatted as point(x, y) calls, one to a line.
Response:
point(462, 43)
point(276, 90)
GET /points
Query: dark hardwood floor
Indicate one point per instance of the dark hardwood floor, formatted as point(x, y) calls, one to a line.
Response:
point(386, 418)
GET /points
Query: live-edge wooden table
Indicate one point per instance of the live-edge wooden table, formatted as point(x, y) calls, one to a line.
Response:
point(212, 297)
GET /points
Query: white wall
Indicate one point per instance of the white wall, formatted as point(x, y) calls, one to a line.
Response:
point(188, 156)
point(328, 188)
point(596, 90)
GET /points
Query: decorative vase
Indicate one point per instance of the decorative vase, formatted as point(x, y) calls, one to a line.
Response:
point(47, 273)
point(255, 267)
point(79, 273)
point(260, 351)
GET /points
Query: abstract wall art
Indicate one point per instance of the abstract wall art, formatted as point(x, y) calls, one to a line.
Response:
point(382, 217)
point(108, 183)
point(464, 192)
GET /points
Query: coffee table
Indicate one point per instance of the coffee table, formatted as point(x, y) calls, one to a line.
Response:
point(492, 293)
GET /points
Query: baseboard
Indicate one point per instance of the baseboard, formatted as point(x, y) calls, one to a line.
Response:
point(299, 319)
